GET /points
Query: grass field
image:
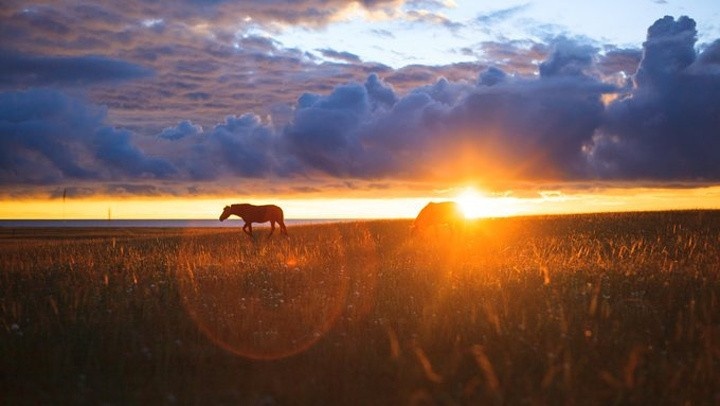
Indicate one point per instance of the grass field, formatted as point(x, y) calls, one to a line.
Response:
point(582, 309)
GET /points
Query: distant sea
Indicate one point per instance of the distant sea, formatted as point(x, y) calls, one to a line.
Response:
point(155, 223)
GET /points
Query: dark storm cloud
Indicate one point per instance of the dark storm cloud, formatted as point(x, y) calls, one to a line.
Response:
point(380, 94)
point(554, 126)
point(48, 137)
point(568, 59)
point(709, 60)
point(324, 130)
point(668, 50)
point(541, 124)
point(21, 71)
point(30, 123)
point(538, 127)
point(245, 145)
point(670, 126)
point(365, 130)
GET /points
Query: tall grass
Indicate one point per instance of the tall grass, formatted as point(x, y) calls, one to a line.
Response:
point(588, 309)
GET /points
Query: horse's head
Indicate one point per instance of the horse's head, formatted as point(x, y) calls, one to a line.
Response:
point(226, 213)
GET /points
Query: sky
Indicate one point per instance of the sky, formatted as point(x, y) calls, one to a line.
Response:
point(152, 109)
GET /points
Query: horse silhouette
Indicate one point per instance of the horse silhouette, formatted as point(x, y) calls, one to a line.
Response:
point(437, 214)
point(256, 214)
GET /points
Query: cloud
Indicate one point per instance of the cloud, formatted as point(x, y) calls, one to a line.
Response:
point(568, 58)
point(182, 130)
point(340, 56)
point(410, 77)
point(132, 189)
point(258, 43)
point(31, 150)
point(250, 111)
point(532, 128)
point(212, 58)
point(115, 152)
point(22, 71)
point(431, 18)
point(668, 50)
point(430, 4)
point(382, 33)
point(501, 15)
point(381, 94)
point(518, 56)
point(323, 134)
point(538, 126)
point(49, 137)
point(310, 13)
point(708, 62)
point(244, 145)
point(667, 129)
point(209, 60)
point(617, 60)
point(492, 76)
point(62, 17)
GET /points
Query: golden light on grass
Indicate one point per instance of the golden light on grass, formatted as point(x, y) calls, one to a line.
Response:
point(557, 309)
point(267, 299)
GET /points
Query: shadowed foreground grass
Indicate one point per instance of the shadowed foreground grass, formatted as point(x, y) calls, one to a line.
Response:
point(590, 309)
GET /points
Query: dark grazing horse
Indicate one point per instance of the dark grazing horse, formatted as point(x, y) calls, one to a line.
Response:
point(438, 214)
point(256, 214)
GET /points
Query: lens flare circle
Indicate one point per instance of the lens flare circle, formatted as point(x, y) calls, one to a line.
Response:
point(269, 298)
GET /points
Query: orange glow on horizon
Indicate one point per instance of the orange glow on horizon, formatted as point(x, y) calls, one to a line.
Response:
point(475, 204)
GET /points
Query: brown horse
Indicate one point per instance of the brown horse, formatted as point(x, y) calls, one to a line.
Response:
point(438, 214)
point(256, 214)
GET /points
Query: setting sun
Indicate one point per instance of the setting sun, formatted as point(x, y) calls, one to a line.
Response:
point(471, 203)
point(475, 204)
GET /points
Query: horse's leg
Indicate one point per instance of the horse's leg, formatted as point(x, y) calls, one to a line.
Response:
point(247, 228)
point(281, 221)
point(272, 227)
